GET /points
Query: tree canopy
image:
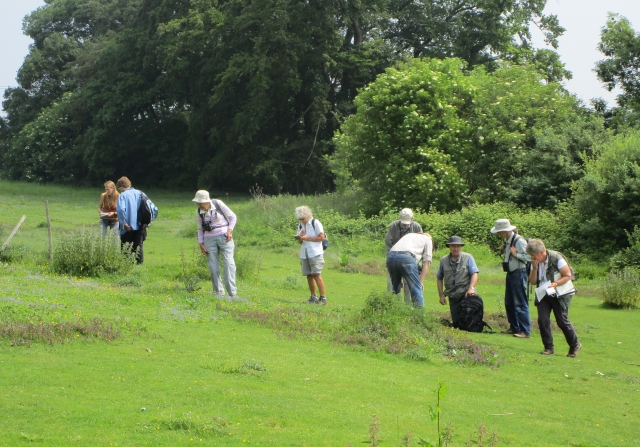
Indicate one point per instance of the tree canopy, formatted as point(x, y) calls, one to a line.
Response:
point(431, 134)
point(226, 93)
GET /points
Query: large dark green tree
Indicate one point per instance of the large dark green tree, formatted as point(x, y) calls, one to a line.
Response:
point(226, 93)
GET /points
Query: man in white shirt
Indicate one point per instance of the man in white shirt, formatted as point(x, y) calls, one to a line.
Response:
point(402, 264)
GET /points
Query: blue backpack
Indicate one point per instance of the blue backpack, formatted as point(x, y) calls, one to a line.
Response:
point(147, 211)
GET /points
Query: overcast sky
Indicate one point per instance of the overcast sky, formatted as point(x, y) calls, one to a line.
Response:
point(583, 20)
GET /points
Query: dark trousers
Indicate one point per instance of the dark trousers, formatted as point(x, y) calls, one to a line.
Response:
point(545, 306)
point(135, 238)
point(516, 302)
point(454, 307)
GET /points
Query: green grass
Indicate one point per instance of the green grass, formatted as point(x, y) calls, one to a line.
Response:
point(200, 372)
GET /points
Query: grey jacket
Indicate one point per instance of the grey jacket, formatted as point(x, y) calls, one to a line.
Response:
point(395, 232)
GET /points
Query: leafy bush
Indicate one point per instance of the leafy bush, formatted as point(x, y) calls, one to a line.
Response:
point(607, 198)
point(84, 252)
point(621, 289)
point(473, 224)
point(630, 256)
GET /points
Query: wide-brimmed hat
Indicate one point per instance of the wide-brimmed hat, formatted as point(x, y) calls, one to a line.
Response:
point(502, 225)
point(406, 216)
point(454, 240)
point(202, 196)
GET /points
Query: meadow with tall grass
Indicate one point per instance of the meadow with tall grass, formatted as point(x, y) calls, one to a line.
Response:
point(147, 355)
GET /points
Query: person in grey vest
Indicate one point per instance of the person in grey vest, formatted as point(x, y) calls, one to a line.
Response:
point(404, 225)
point(459, 275)
point(551, 266)
point(516, 302)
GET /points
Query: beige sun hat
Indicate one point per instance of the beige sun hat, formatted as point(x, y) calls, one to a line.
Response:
point(406, 216)
point(202, 196)
point(502, 225)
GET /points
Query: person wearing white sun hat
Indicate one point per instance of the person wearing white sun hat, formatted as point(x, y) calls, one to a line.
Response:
point(515, 262)
point(215, 236)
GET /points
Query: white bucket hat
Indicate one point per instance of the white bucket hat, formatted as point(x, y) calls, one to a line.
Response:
point(202, 196)
point(406, 216)
point(502, 225)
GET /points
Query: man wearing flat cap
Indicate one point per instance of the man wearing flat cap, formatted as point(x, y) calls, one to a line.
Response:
point(515, 262)
point(398, 228)
point(459, 275)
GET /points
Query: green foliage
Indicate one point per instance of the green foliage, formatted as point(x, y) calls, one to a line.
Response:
point(473, 224)
point(621, 45)
point(531, 138)
point(176, 92)
point(607, 199)
point(84, 252)
point(630, 256)
point(429, 135)
point(409, 138)
point(621, 289)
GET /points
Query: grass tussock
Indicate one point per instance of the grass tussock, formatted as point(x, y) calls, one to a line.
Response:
point(194, 425)
point(28, 332)
point(384, 324)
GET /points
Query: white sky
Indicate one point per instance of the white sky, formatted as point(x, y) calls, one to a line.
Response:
point(583, 20)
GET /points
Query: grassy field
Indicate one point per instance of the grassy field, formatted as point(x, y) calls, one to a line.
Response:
point(148, 360)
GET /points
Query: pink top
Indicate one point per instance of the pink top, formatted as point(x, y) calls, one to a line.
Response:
point(217, 220)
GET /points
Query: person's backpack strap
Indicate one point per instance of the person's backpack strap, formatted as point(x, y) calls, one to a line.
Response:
point(216, 206)
point(484, 324)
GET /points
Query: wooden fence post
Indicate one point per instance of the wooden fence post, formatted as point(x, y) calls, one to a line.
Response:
point(46, 205)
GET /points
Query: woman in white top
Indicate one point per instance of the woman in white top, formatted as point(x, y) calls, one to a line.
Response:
point(310, 236)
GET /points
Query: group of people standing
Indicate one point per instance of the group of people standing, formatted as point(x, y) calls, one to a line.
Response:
point(409, 256)
point(118, 207)
point(457, 276)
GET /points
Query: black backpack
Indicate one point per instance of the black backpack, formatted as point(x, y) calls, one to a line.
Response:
point(147, 211)
point(471, 311)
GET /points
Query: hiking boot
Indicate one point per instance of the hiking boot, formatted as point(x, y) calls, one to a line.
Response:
point(573, 352)
point(521, 335)
point(547, 351)
point(508, 331)
point(323, 300)
point(312, 300)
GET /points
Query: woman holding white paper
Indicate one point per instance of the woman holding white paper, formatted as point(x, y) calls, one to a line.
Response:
point(551, 273)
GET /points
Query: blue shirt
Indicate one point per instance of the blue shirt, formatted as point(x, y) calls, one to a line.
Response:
point(471, 268)
point(127, 208)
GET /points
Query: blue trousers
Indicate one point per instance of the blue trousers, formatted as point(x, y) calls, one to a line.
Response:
point(516, 303)
point(402, 265)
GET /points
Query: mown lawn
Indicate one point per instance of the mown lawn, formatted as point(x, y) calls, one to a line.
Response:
point(184, 368)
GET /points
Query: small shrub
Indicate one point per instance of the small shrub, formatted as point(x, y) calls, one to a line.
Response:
point(620, 290)
point(85, 252)
point(12, 253)
point(248, 266)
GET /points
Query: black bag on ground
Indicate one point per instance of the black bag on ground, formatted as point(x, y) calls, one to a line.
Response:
point(471, 312)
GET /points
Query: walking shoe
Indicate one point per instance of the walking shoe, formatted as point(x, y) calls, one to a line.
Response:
point(312, 300)
point(573, 352)
point(521, 335)
point(547, 351)
point(508, 331)
point(323, 300)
